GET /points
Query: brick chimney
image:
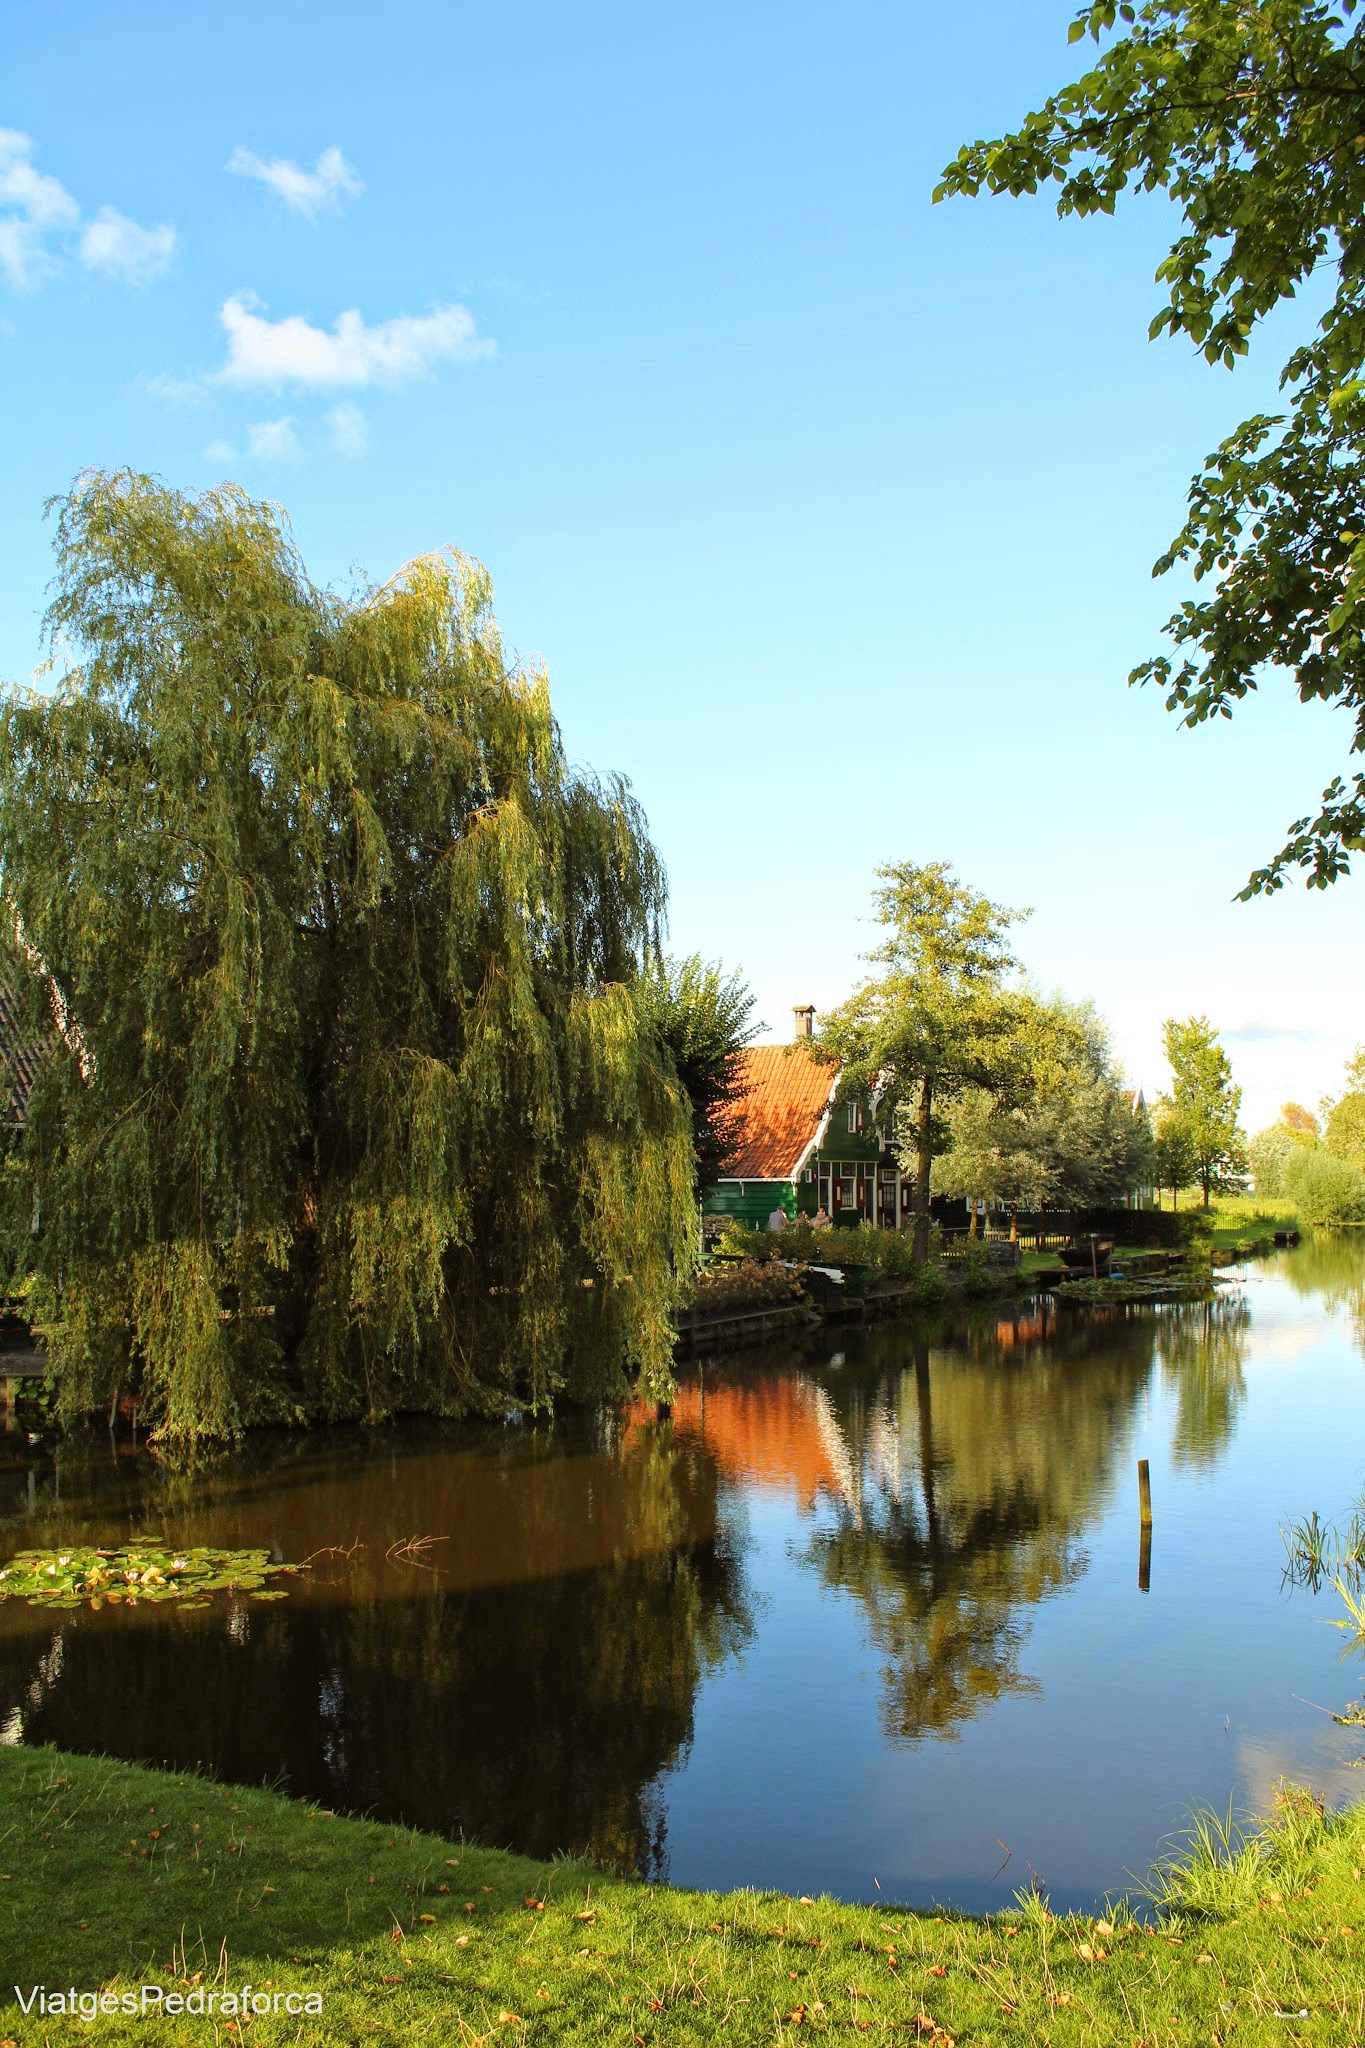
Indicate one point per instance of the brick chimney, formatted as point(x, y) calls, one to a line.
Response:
point(804, 1014)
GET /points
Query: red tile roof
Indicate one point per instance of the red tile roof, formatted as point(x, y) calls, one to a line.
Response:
point(785, 1093)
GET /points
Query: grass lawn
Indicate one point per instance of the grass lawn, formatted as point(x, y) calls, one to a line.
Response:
point(116, 1877)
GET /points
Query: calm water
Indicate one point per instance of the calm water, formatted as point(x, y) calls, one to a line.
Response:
point(861, 1614)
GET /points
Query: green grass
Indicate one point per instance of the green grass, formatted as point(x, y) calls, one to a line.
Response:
point(1239, 1218)
point(114, 1877)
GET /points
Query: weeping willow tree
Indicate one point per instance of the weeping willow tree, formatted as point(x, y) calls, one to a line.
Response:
point(353, 1109)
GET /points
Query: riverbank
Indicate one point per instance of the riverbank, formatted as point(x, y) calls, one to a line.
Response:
point(113, 1877)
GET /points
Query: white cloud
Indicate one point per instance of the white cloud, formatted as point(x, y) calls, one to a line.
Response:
point(33, 205)
point(351, 356)
point(272, 441)
point(21, 249)
point(306, 191)
point(115, 244)
point(42, 200)
point(350, 434)
point(266, 441)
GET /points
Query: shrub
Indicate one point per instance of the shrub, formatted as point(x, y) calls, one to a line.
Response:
point(1325, 1189)
point(752, 1284)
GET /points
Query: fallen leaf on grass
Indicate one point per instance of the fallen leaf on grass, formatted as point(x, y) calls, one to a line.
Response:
point(938, 1970)
point(1059, 1998)
point(462, 1941)
point(509, 2019)
point(1203, 1956)
point(796, 2017)
point(589, 1914)
point(534, 1905)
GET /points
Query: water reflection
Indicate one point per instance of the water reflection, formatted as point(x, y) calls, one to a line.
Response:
point(1330, 1264)
point(533, 1673)
point(982, 1464)
point(1203, 1346)
point(529, 1688)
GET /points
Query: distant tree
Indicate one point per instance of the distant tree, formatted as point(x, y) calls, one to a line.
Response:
point(1204, 1104)
point(1174, 1158)
point(935, 1022)
point(1345, 1130)
point(366, 1114)
point(1058, 1127)
point(1269, 1152)
point(705, 1018)
point(1325, 1189)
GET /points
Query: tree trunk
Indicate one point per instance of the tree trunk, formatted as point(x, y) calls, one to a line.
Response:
point(923, 1162)
point(924, 1402)
point(1014, 1223)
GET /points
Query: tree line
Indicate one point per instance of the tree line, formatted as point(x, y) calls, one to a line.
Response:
point(1318, 1162)
point(368, 1083)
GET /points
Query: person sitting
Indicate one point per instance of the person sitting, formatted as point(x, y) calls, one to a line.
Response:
point(778, 1219)
point(820, 1220)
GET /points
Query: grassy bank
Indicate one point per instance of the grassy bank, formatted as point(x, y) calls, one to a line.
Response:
point(1243, 1219)
point(114, 1877)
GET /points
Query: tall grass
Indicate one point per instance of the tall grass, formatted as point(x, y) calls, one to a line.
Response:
point(1225, 1864)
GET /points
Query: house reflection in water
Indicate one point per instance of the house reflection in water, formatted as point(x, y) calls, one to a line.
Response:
point(780, 1434)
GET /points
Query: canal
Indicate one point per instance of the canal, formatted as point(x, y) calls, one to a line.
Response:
point(862, 1616)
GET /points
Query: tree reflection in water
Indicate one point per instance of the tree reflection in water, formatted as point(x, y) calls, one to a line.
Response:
point(530, 1689)
point(531, 1676)
point(1202, 1346)
point(980, 1467)
point(1329, 1265)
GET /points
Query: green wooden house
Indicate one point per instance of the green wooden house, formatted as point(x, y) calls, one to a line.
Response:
point(802, 1150)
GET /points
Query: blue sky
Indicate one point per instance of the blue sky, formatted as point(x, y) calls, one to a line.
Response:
point(832, 512)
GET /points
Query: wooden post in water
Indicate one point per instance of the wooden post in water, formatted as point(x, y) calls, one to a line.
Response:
point(1145, 1527)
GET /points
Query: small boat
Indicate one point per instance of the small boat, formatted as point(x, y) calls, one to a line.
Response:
point(1087, 1255)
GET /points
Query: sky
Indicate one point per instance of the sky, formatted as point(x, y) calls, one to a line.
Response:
point(831, 512)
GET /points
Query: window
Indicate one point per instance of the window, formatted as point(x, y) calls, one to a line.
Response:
point(855, 1117)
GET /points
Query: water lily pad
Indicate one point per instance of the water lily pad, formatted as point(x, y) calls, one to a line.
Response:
point(140, 1571)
